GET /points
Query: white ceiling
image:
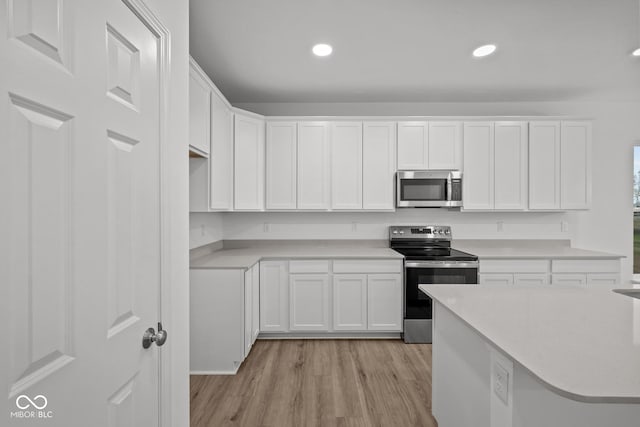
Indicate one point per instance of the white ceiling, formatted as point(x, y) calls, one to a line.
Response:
point(418, 50)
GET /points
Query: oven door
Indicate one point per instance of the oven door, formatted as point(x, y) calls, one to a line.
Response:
point(417, 304)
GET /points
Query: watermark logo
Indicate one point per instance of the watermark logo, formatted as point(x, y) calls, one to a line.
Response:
point(31, 407)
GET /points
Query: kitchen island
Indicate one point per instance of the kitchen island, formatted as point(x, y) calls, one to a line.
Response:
point(535, 356)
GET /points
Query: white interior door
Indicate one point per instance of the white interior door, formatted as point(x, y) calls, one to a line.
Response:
point(81, 106)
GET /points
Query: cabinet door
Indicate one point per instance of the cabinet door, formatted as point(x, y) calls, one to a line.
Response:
point(530, 279)
point(378, 165)
point(249, 163)
point(445, 145)
point(569, 279)
point(313, 166)
point(255, 302)
point(413, 145)
point(346, 165)
point(544, 165)
point(248, 312)
point(199, 113)
point(575, 165)
point(384, 302)
point(309, 307)
point(603, 279)
point(274, 296)
point(281, 165)
point(510, 165)
point(477, 178)
point(198, 184)
point(221, 157)
point(495, 279)
point(349, 302)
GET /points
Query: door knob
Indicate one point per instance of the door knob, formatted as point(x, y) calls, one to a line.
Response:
point(150, 336)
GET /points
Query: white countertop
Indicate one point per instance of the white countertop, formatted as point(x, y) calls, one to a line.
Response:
point(583, 343)
point(247, 257)
point(528, 249)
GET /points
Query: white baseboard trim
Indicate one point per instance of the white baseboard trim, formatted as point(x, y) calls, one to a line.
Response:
point(328, 335)
point(213, 372)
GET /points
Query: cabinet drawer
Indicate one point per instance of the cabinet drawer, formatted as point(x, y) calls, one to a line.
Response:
point(606, 279)
point(367, 266)
point(309, 266)
point(514, 266)
point(568, 279)
point(495, 279)
point(585, 266)
point(530, 279)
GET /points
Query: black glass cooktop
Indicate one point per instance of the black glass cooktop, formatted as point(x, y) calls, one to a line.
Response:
point(435, 254)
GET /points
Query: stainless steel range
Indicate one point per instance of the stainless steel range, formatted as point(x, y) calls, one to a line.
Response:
point(428, 260)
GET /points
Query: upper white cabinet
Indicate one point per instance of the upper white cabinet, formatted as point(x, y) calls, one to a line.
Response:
point(445, 145)
point(495, 172)
point(544, 165)
point(413, 145)
point(281, 165)
point(429, 145)
point(575, 165)
point(378, 165)
point(313, 166)
point(559, 165)
point(346, 165)
point(510, 165)
point(249, 163)
point(221, 158)
point(478, 178)
point(199, 111)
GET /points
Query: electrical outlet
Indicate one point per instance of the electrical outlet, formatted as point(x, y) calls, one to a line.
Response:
point(564, 226)
point(500, 226)
point(202, 230)
point(501, 382)
point(265, 227)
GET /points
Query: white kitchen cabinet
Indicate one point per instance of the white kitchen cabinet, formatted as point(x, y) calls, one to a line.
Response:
point(248, 163)
point(346, 165)
point(544, 165)
point(248, 312)
point(413, 145)
point(309, 302)
point(384, 302)
point(495, 278)
point(199, 111)
point(575, 165)
point(349, 302)
point(603, 279)
point(281, 165)
point(378, 165)
point(274, 296)
point(445, 145)
point(255, 302)
point(313, 166)
point(510, 165)
point(221, 157)
point(218, 316)
point(478, 175)
point(569, 279)
point(198, 184)
point(530, 279)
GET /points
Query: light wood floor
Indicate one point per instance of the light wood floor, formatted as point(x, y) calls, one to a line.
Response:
point(320, 383)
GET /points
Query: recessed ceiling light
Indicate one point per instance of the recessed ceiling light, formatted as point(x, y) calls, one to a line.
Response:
point(636, 52)
point(485, 50)
point(322, 49)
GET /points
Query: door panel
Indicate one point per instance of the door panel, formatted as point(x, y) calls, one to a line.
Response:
point(384, 302)
point(544, 165)
point(378, 165)
point(413, 145)
point(478, 158)
point(313, 166)
point(346, 165)
point(510, 165)
point(350, 302)
point(281, 159)
point(445, 145)
point(309, 309)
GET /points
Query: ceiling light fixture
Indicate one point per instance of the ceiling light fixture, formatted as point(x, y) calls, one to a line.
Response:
point(322, 49)
point(636, 52)
point(485, 50)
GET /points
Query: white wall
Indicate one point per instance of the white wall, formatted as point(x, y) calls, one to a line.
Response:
point(204, 228)
point(607, 226)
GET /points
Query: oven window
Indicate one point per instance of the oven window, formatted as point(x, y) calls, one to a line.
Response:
point(423, 189)
point(417, 304)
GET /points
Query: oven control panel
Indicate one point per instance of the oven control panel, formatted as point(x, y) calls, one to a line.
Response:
point(421, 232)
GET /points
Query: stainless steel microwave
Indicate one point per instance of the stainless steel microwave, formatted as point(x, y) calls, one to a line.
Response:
point(429, 189)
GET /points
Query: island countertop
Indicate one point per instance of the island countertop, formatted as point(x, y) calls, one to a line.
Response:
point(582, 343)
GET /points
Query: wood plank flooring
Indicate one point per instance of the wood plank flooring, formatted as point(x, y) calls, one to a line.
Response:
point(320, 383)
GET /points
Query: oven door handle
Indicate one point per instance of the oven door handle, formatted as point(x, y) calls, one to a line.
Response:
point(441, 264)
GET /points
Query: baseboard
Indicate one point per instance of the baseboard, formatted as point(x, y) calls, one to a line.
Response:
point(213, 372)
point(328, 335)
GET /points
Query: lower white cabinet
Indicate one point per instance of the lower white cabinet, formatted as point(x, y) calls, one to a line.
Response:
point(529, 279)
point(274, 296)
point(384, 302)
point(349, 302)
point(495, 279)
point(309, 302)
point(224, 307)
point(569, 279)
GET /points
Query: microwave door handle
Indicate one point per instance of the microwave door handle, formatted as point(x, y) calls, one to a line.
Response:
point(449, 188)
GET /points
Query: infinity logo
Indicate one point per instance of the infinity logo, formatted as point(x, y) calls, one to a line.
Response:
point(30, 402)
